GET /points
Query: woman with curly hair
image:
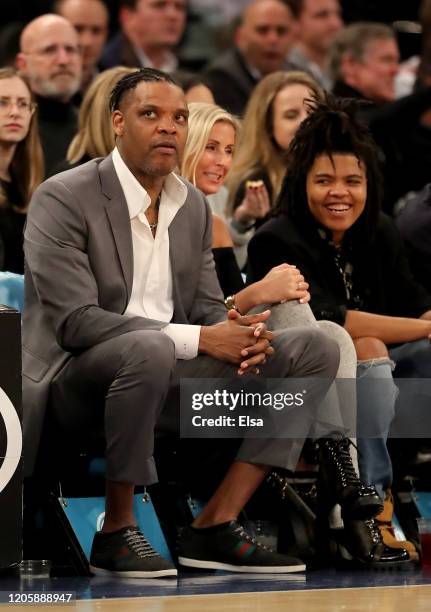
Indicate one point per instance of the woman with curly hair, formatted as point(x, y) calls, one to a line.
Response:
point(331, 227)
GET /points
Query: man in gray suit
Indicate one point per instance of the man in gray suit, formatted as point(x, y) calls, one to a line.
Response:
point(122, 300)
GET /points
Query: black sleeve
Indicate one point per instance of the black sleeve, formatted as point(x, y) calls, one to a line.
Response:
point(402, 113)
point(228, 273)
point(266, 250)
point(225, 91)
point(405, 296)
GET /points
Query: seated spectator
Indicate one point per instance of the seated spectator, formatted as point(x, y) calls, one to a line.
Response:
point(122, 301)
point(95, 137)
point(364, 61)
point(317, 23)
point(149, 32)
point(206, 161)
point(352, 256)
point(21, 165)
point(261, 156)
point(414, 224)
point(262, 41)
point(90, 19)
point(50, 60)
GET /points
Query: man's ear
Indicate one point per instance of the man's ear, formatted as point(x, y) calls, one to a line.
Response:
point(238, 36)
point(118, 122)
point(20, 62)
point(348, 67)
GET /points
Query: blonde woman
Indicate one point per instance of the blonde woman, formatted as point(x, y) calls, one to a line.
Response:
point(95, 137)
point(274, 112)
point(21, 165)
point(207, 159)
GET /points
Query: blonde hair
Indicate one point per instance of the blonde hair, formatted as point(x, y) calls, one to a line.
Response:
point(202, 118)
point(256, 148)
point(27, 165)
point(95, 137)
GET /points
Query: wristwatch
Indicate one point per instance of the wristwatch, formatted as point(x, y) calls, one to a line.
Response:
point(230, 303)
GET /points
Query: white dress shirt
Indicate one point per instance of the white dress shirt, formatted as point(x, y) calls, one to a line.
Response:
point(152, 273)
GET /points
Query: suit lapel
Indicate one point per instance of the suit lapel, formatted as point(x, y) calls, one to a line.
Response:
point(118, 215)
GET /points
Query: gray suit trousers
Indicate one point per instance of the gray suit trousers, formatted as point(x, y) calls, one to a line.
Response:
point(131, 383)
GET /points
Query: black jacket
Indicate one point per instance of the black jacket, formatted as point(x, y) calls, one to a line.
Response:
point(414, 223)
point(230, 81)
point(58, 124)
point(119, 52)
point(381, 274)
point(404, 140)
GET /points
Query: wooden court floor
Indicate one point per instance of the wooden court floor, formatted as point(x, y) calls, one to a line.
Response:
point(376, 599)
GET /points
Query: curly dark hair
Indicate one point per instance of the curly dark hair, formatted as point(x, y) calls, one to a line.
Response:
point(333, 126)
point(132, 80)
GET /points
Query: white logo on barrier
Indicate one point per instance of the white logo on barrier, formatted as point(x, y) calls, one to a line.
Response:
point(100, 521)
point(13, 440)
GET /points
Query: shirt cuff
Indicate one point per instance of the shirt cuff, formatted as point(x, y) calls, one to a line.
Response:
point(185, 338)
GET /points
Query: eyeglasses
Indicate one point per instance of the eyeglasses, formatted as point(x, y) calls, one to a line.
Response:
point(24, 106)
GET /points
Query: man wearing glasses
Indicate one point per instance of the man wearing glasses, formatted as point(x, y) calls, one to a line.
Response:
point(50, 59)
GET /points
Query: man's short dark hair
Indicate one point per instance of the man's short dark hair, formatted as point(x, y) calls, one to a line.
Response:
point(296, 7)
point(354, 40)
point(132, 80)
point(130, 4)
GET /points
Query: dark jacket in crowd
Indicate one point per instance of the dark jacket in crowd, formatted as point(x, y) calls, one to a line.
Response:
point(230, 81)
point(381, 278)
point(58, 124)
point(119, 51)
point(403, 139)
point(11, 230)
point(414, 224)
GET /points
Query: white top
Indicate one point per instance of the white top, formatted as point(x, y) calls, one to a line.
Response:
point(152, 273)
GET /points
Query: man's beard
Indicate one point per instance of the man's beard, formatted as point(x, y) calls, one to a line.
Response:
point(51, 89)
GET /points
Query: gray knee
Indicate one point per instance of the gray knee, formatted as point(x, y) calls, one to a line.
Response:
point(149, 350)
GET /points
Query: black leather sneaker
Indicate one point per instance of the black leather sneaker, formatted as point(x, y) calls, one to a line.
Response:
point(127, 553)
point(229, 547)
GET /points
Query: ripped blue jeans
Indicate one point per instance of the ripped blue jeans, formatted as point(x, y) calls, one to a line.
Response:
point(376, 396)
point(376, 402)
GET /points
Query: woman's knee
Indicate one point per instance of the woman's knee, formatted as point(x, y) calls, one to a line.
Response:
point(370, 348)
point(318, 348)
point(328, 350)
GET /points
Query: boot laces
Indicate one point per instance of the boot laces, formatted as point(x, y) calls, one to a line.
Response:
point(137, 542)
point(374, 531)
point(340, 454)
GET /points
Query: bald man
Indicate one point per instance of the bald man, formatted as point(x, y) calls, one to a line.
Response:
point(90, 19)
point(262, 41)
point(50, 59)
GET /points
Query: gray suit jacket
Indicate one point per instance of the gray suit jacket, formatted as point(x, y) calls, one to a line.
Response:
point(79, 274)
